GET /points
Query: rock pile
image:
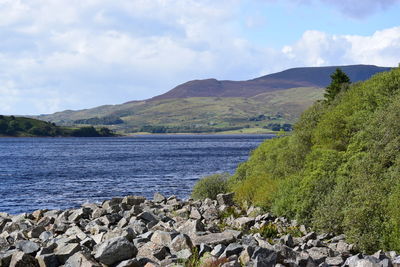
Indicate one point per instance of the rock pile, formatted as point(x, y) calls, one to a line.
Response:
point(133, 231)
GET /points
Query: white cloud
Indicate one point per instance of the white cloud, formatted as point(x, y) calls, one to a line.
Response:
point(57, 55)
point(317, 48)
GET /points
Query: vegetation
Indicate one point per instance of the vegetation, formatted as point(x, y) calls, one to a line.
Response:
point(340, 82)
point(21, 126)
point(197, 114)
point(339, 169)
point(211, 186)
point(107, 120)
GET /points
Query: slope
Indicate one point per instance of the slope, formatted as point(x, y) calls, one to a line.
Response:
point(339, 170)
point(211, 105)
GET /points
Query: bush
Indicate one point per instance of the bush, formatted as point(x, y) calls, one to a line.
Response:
point(339, 170)
point(211, 186)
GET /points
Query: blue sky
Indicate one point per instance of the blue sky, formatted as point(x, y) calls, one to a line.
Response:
point(74, 54)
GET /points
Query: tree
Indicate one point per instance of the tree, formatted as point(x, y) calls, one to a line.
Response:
point(339, 81)
point(3, 126)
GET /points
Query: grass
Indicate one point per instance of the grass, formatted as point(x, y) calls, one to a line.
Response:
point(230, 115)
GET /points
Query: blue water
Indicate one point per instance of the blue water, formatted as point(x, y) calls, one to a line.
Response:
point(56, 173)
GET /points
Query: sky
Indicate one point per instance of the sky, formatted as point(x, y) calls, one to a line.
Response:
point(74, 54)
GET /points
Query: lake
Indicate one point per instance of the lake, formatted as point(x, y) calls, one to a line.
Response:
point(57, 173)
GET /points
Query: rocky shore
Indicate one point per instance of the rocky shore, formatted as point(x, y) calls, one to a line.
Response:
point(133, 231)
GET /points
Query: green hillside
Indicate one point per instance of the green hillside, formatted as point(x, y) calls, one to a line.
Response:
point(196, 114)
point(269, 103)
point(28, 127)
point(340, 169)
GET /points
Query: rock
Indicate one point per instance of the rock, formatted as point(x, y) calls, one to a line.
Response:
point(184, 254)
point(162, 238)
point(148, 217)
point(48, 260)
point(5, 257)
point(110, 219)
point(343, 247)
point(65, 251)
point(225, 199)
point(75, 231)
point(391, 254)
point(243, 223)
point(211, 214)
point(195, 214)
point(218, 250)
point(98, 212)
point(137, 226)
point(21, 259)
point(130, 263)
point(309, 236)
point(319, 254)
point(80, 259)
point(180, 242)
point(190, 227)
point(367, 262)
point(122, 223)
point(245, 255)
point(114, 250)
point(304, 259)
point(263, 257)
point(233, 263)
point(203, 248)
point(113, 202)
point(133, 200)
point(158, 198)
point(44, 236)
point(285, 253)
point(233, 249)
point(396, 262)
point(353, 260)
point(235, 233)
point(315, 243)
point(214, 239)
point(152, 251)
point(36, 231)
point(79, 214)
point(334, 261)
point(27, 247)
point(287, 240)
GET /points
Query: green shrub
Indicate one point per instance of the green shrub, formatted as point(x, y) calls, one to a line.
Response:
point(211, 186)
point(339, 170)
point(267, 231)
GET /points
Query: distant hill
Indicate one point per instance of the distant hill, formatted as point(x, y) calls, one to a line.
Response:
point(291, 78)
point(264, 103)
point(28, 127)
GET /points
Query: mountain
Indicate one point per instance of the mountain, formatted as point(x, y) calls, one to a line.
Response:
point(291, 78)
point(267, 102)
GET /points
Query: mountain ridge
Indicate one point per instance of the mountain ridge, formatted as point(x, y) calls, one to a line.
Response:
point(290, 78)
point(211, 105)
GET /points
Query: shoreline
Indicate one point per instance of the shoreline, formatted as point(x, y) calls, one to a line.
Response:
point(135, 231)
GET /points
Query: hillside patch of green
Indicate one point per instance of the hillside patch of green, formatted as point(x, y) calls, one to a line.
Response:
point(340, 169)
point(27, 127)
point(197, 114)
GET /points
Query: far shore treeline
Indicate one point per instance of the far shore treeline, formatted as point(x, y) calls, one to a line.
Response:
point(339, 170)
point(27, 127)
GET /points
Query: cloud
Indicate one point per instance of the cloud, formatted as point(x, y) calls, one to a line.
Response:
point(361, 9)
point(317, 48)
point(74, 54)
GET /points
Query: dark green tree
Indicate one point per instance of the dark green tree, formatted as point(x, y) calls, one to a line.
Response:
point(3, 126)
point(339, 82)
